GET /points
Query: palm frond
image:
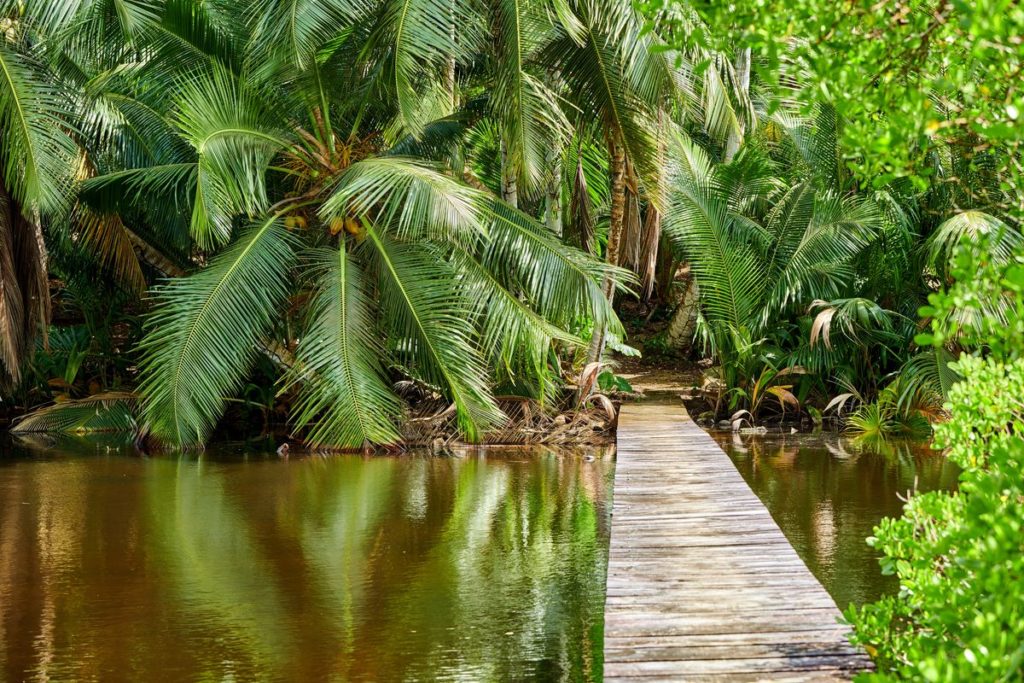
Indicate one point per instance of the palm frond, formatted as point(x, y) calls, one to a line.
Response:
point(581, 225)
point(560, 283)
point(603, 82)
point(38, 154)
point(817, 236)
point(860, 320)
point(412, 41)
point(972, 226)
point(728, 271)
point(514, 338)
point(298, 29)
point(421, 302)
point(411, 198)
point(135, 187)
point(235, 135)
point(111, 242)
point(528, 110)
point(200, 340)
point(111, 411)
point(928, 375)
point(344, 400)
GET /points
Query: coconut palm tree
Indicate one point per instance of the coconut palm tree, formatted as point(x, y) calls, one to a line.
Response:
point(321, 227)
point(38, 156)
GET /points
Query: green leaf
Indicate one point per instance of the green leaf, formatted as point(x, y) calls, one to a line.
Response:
point(345, 399)
point(425, 310)
point(200, 340)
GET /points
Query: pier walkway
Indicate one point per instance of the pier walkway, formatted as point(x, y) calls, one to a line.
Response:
point(702, 584)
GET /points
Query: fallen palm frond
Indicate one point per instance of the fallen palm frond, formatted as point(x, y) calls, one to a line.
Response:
point(111, 411)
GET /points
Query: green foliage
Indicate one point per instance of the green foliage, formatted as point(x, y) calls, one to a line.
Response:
point(190, 364)
point(340, 379)
point(609, 381)
point(102, 412)
point(757, 263)
point(228, 147)
point(888, 416)
point(906, 80)
point(960, 611)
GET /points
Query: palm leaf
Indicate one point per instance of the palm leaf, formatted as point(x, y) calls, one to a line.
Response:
point(559, 282)
point(200, 341)
point(344, 398)
point(112, 244)
point(972, 226)
point(728, 271)
point(411, 198)
point(412, 41)
point(112, 411)
point(235, 135)
point(603, 81)
point(423, 306)
point(514, 338)
point(37, 152)
point(298, 29)
point(927, 375)
point(530, 118)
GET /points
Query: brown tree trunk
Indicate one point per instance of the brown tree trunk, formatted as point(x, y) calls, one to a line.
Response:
point(683, 325)
point(615, 224)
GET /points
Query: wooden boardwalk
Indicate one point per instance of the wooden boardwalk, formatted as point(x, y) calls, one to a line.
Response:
point(702, 584)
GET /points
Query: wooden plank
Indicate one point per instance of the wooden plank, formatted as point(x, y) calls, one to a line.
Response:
point(702, 583)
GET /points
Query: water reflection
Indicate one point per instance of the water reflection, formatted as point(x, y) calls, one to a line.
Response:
point(117, 567)
point(828, 492)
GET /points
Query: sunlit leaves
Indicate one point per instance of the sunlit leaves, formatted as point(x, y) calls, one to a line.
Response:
point(345, 399)
point(235, 134)
point(201, 339)
point(38, 153)
point(426, 315)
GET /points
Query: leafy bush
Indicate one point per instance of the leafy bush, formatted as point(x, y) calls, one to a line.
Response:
point(609, 381)
point(959, 615)
point(889, 415)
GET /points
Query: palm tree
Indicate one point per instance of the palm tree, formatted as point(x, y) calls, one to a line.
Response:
point(753, 266)
point(320, 224)
point(38, 155)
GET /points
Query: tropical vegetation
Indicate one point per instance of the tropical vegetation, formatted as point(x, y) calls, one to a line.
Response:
point(959, 613)
point(325, 214)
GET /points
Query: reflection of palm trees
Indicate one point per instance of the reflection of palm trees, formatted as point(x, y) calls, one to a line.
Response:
point(518, 554)
point(215, 568)
point(345, 567)
point(827, 492)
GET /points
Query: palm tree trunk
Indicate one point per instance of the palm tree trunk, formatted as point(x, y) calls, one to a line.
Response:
point(153, 257)
point(553, 192)
point(616, 220)
point(648, 263)
point(509, 184)
point(39, 292)
point(683, 325)
point(732, 144)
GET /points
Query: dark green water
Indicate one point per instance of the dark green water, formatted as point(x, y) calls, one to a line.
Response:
point(473, 568)
point(828, 492)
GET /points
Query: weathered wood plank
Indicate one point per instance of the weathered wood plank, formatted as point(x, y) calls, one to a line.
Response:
point(702, 583)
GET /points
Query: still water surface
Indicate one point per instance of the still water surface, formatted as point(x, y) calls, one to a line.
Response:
point(115, 566)
point(827, 492)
